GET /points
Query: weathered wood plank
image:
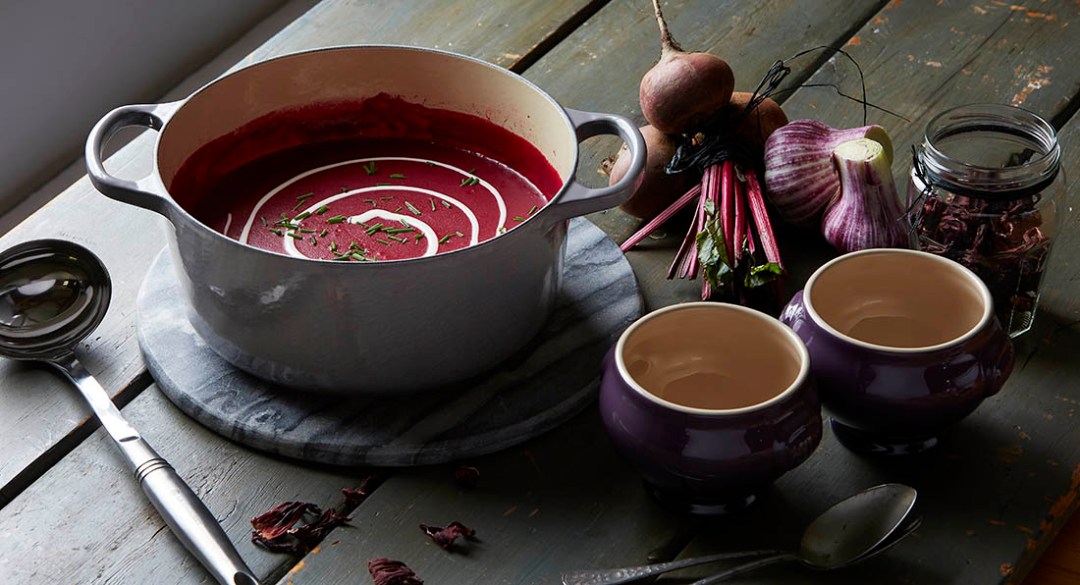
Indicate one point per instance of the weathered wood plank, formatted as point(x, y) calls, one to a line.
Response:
point(127, 239)
point(564, 501)
point(599, 67)
point(87, 521)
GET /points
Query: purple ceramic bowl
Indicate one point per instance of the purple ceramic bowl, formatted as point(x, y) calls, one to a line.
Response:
point(729, 408)
point(903, 344)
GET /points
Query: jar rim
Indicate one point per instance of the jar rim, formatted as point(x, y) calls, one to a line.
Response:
point(970, 178)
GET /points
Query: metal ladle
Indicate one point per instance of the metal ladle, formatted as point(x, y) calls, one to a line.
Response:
point(852, 530)
point(53, 294)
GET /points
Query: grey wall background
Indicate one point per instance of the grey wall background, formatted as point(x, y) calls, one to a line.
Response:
point(65, 63)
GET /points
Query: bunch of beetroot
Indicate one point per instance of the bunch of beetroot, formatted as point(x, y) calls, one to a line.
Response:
point(689, 101)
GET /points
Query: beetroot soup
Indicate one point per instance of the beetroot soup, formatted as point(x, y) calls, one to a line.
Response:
point(381, 179)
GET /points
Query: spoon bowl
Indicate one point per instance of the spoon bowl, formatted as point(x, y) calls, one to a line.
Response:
point(53, 294)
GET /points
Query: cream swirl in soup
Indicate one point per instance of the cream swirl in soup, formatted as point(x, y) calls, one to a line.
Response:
point(420, 183)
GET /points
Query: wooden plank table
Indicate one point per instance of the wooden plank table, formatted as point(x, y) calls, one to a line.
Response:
point(995, 495)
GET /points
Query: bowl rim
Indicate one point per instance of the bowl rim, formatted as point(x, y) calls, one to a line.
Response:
point(984, 292)
point(796, 341)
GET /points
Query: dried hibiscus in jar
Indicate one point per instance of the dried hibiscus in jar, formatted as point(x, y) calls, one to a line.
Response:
point(986, 191)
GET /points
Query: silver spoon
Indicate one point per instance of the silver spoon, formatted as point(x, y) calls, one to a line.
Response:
point(52, 295)
point(852, 530)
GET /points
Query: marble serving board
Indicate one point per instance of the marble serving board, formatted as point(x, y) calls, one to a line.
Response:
point(541, 386)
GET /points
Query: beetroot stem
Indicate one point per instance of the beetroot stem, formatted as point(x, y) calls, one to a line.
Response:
point(740, 223)
point(681, 262)
point(761, 218)
point(667, 42)
point(727, 207)
point(665, 215)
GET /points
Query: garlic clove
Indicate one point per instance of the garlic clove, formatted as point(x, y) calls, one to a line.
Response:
point(868, 212)
point(800, 177)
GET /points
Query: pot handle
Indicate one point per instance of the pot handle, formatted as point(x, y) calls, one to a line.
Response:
point(143, 192)
point(579, 199)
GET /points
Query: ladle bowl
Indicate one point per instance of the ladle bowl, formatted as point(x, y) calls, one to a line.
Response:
point(53, 294)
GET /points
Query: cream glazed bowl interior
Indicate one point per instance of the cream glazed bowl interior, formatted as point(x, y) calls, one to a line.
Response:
point(710, 402)
point(903, 344)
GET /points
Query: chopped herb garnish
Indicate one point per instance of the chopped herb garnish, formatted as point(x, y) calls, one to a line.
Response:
point(429, 163)
point(396, 239)
point(413, 208)
point(358, 256)
point(404, 223)
point(432, 204)
point(382, 184)
point(398, 210)
point(333, 246)
point(460, 235)
point(341, 258)
point(354, 246)
point(419, 237)
point(371, 201)
point(302, 216)
point(518, 218)
point(304, 196)
point(501, 230)
point(370, 168)
point(306, 231)
point(469, 182)
point(337, 219)
point(397, 176)
point(298, 206)
point(283, 216)
point(386, 198)
point(344, 189)
point(264, 222)
point(382, 241)
point(278, 232)
point(533, 210)
point(445, 203)
point(445, 238)
point(374, 229)
point(399, 230)
point(314, 242)
point(295, 236)
point(362, 224)
point(321, 210)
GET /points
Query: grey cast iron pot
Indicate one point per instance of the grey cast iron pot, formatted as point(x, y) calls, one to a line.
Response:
point(367, 328)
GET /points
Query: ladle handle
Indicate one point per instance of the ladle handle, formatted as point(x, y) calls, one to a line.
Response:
point(190, 521)
point(183, 511)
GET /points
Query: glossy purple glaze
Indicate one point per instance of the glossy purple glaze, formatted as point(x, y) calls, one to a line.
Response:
point(901, 396)
point(704, 463)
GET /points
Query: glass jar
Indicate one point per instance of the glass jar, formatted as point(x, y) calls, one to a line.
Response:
point(987, 190)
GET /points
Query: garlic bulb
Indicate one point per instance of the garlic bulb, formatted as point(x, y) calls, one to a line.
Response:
point(868, 212)
point(800, 177)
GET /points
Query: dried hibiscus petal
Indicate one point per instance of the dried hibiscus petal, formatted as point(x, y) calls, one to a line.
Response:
point(446, 536)
point(391, 572)
point(280, 519)
point(277, 530)
point(355, 496)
